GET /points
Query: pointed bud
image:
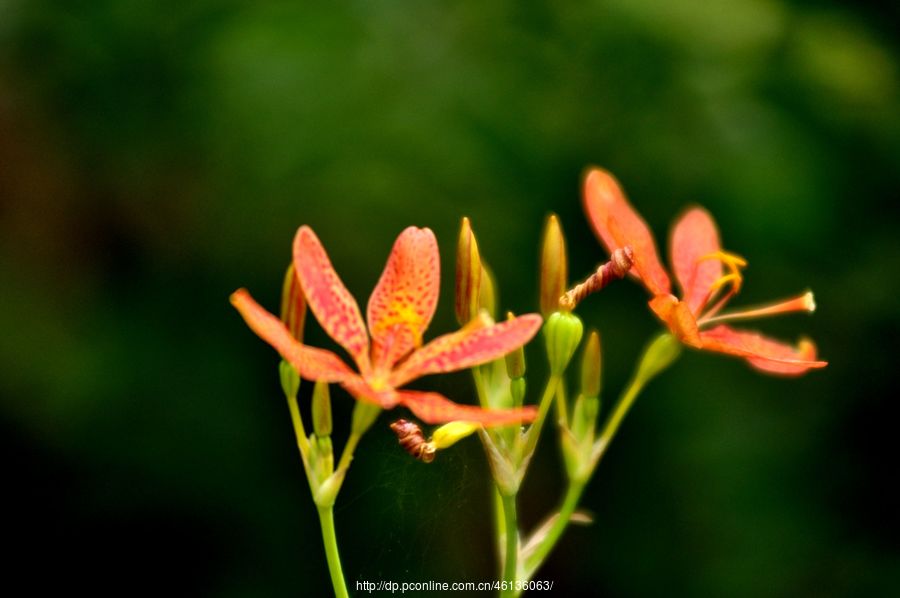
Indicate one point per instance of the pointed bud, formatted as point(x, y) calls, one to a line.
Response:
point(451, 433)
point(487, 295)
point(468, 274)
point(591, 366)
point(554, 266)
point(290, 379)
point(293, 304)
point(562, 333)
point(321, 409)
point(515, 361)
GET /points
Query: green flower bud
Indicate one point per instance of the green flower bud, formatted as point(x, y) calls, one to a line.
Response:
point(562, 333)
point(515, 361)
point(290, 379)
point(468, 275)
point(487, 294)
point(321, 409)
point(554, 266)
point(591, 366)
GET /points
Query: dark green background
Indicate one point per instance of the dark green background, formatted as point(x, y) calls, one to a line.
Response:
point(155, 156)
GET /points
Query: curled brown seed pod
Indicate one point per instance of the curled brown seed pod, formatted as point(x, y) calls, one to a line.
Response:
point(413, 441)
point(617, 267)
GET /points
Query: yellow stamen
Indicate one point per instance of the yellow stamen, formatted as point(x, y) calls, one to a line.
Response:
point(733, 263)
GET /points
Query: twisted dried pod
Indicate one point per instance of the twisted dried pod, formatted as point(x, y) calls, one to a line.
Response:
point(617, 267)
point(413, 441)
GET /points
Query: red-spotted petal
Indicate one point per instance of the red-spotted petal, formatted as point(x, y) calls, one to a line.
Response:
point(476, 343)
point(761, 352)
point(678, 317)
point(328, 298)
point(618, 224)
point(403, 302)
point(694, 236)
point(433, 408)
point(311, 363)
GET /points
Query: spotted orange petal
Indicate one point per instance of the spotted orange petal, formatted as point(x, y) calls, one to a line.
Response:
point(761, 352)
point(476, 343)
point(311, 363)
point(678, 317)
point(618, 224)
point(403, 302)
point(695, 235)
point(328, 298)
point(433, 408)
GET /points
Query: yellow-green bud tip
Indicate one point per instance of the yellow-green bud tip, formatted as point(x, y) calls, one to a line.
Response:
point(554, 266)
point(468, 274)
point(451, 433)
point(591, 366)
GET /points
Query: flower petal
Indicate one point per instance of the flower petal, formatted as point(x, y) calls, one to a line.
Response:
point(678, 317)
point(618, 224)
point(311, 363)
point(386, 398)
point(478, 342)
point(762, 352)
point(433, 408)
point(328, 298)
point(403, 302)
point(695, 235)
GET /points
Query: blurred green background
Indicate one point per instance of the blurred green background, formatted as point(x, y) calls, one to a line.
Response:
point(155, 156)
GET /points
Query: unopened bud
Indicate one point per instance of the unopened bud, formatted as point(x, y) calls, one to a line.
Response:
point(321, 409)
point(515, 361)
point(487, 294)
point(451, 433)
point(554, 266)
point(293, 304)
point(290, 379)
point(562, 333)
point(468, 274)
point(591, 366)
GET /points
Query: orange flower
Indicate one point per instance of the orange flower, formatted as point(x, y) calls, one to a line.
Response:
point(389, 353)
point(697, 261)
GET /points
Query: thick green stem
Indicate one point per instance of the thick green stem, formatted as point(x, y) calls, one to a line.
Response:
point(510, 559)
point(326, 517)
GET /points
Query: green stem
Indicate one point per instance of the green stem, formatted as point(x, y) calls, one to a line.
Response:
point(615, 419)
point(534, 432)
point(510, 561)
point(347, 454)
point(326, 517)
point(562, 405)
point(570, 502)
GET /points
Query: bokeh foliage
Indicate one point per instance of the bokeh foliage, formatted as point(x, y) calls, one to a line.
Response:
point(154, 156)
